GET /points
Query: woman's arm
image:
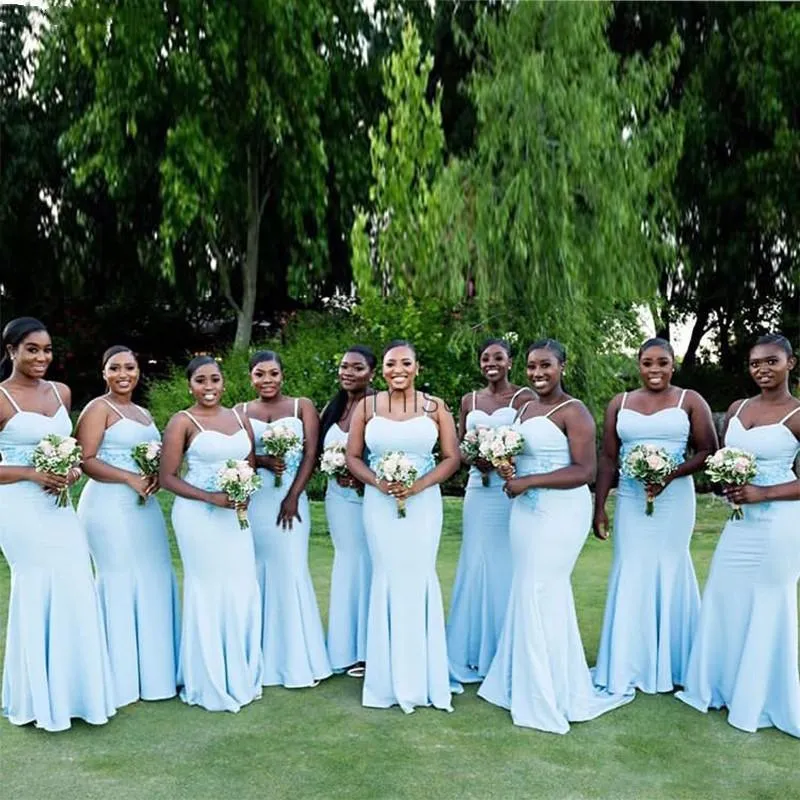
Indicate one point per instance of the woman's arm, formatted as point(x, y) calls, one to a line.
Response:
point(702, 435)
point(172, 449)
point(288, 509)
point(355, 450)
point(607, 468)
point(450, 459)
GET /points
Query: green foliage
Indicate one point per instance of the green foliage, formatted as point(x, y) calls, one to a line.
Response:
point(393, 241)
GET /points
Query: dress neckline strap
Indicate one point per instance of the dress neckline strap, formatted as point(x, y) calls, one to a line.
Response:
point(560, 405)
point(193, 419)
point(789, 415)
point(11, 399)
point(680, 400)
point(515, 396)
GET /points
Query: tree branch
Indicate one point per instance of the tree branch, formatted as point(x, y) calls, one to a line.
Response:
point(224, 276)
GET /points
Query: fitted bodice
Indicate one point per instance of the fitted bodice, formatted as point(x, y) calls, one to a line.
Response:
point(334, 434)
point(545, 447)
point(416, 437)
point(208, 452)
point(774, 446)
point(121, 438)
point(668, 429)
point(26, 429)
point(294, 457)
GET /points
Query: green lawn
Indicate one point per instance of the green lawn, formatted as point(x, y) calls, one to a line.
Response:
point(321, 743)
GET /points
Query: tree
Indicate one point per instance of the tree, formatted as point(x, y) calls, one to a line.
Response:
point(237, 87)
point(392, 242)
point(737, 215)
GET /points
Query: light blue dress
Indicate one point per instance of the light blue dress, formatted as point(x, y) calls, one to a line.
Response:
point(56, 660)
point(539, 672)
point(220, 654)
point(135, 582)
point(483, 575)
point(744, 656)
point(653, 602)
point(351, 573)
point(293, 641)
point(406, 644)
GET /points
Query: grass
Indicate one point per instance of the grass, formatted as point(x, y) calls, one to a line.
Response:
point(321, 743)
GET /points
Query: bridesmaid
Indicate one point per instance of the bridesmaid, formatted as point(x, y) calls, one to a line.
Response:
point(350, 577)
point(483, 576)
point(128, 540)
point(540, 671)
point(220, 654)
point(653, 600)
point(744, 656)
point(406, 648)
point(56, 663)
point(293, 642)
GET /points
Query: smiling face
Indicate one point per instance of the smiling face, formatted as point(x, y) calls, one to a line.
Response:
point(495, 363)
point(33, 355)
point(544, 371)
point(656, 366)
point(354, 373)
point(121, 373)
point(267, 379)
point(400, 367)
point(206, 385)
point(770, 366)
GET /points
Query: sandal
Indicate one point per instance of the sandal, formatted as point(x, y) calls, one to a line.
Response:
point(357, 671)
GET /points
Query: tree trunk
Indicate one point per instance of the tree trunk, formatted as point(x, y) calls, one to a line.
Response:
point(698, 331)
point(244, 316)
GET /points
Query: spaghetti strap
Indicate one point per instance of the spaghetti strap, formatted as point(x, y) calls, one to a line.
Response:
point(144, 411)
point(789, 415)
point(113, 408)
point(55, 392)
point(516, 395)
point(522, 411)
point(741, 406)
point(11, 399)
point(680, 401)
point(244, 407)
point(238, 419)
point(425, 411)
point(560, 405)
point(375, 405)
point(199, 426)
point(296, 400)
point(624, 398)
point(474, 400)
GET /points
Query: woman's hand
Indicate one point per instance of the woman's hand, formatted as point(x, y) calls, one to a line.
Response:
point(288, 512)
point(221, 500)
point(742, 495)
point(275, 465)
point(153, 485)
point(506, 470)
point(139, 484)
point(600, 524)
point(655, 489)
point(50, 483)
point(74, 475)
point(349, 482)
point(514, 487)
point(482, 465)
point(400, 491)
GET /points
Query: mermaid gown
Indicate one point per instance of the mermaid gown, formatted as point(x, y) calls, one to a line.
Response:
point(56, 660)
point(135, 582)
point(293, 642)
point(744, 656)
point(539, 671)
point(653, 601)
point(406, 646)
point(220, 653)
point(350, 576)
point(483, 575)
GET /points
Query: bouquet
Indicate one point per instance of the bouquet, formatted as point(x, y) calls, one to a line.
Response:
point(57, 455)
point(731, 467)
point(396, 467)
point(239, 481)
point(502, 445)
point(471, 447)
point(648, 464)
point(333, 463)
point(147, 457)
point(279, 441)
